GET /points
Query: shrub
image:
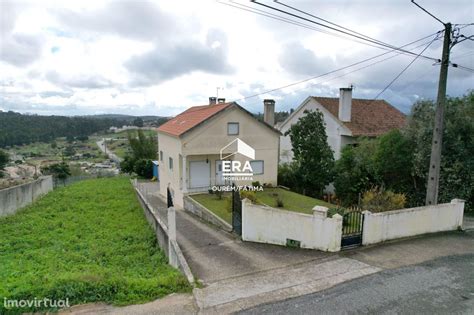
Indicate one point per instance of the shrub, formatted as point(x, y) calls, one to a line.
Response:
point(380, 200)
point(335, 210)
point(143, 168)
point(250, 195)
point(256, 184)
point(279, 202)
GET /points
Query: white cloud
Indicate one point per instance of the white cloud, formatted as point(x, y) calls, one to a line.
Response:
point(150, 57)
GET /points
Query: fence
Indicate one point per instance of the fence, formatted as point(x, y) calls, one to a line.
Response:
point(165, 234)
point(384, 226)
point(265, 224)
point(16, 197)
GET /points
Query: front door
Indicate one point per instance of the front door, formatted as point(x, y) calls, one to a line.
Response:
point(199, 174)
point(219, 174)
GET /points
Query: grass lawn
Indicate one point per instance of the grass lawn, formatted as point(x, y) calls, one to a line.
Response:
point(86, 242)
point(216, 205)
point(291, 201)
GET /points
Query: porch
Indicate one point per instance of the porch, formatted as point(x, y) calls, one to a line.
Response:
point(199, 173)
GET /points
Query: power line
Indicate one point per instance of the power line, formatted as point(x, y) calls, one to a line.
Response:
point(340, 69)
point(247, 8)
point(426, 11)
point(404, 69)
point(339, 30)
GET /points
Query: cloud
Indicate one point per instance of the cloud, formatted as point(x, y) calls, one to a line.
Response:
point(133, 19)
point(165, 63)
point(16, 48)
point(79, 81)
point(298, 60)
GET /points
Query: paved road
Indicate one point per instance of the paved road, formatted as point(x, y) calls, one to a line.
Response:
point(111, 155)
point(441, 286)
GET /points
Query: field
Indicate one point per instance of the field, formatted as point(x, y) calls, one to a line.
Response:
point(87, 242)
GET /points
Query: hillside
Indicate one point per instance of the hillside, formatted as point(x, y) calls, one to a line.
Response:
point(87, 242)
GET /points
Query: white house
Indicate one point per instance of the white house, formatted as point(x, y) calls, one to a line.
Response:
point(346, 119)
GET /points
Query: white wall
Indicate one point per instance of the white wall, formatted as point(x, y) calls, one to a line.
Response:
point(264, 224)
point(334, 130)
point(384, 226)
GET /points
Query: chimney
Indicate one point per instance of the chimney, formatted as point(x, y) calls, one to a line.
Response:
point(220, 100)
point(345, 104)
point(269, 112)
point(212, 100)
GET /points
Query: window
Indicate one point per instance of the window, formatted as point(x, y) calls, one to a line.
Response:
point(233, 128)
point(257, 167)
point(171, 163)
point(161, 156)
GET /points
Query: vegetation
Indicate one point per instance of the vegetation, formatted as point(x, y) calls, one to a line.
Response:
point(60, 171)
point(4, 158)
point(312, 169)
point(97, 248)
point(18, 129)
point(399, 160)
point(143, 151)
point(379, 200)
point(273, 197)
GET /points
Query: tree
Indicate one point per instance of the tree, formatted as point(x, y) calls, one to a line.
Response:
point(4, 158)
point(143, 151)
point(355, 171)
point(138, 122)
point(60, 171)
point(313, 157)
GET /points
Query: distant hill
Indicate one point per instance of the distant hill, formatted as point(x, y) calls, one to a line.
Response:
point(18, 129)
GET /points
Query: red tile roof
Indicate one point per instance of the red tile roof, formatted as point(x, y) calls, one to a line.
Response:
point(368, 117)
point(191, 117)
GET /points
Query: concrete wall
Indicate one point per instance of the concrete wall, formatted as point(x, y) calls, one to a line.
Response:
point(166, 235)
point(196, 208)
point(17, 197)
point(338, 135)
point(264, 224)
point(384, 226)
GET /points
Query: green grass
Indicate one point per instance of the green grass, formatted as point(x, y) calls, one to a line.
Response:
point(87, 242)
point(215, 205)
point(291, 202)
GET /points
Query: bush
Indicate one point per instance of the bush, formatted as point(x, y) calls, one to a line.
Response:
point(380, 200)
point(335, 210)
point(256, 184)
point(250, 195)
point(143, 168)
point(279, 202)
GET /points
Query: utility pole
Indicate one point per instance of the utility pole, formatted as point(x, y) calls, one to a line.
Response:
point(435, 159)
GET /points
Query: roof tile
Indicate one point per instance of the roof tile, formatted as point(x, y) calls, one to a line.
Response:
point(368, 117)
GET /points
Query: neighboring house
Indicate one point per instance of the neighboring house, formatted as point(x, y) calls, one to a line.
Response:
point(190, 145)
point(347, 120)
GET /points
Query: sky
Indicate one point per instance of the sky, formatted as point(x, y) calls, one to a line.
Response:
point(160, 57)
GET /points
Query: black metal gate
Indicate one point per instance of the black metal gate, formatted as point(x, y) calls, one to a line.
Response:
point(352, 227)
point(236, 212)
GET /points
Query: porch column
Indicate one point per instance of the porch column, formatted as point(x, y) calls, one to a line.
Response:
point(185, 177)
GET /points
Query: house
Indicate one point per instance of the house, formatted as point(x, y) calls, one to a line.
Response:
point(346, 119)
point(191, 146)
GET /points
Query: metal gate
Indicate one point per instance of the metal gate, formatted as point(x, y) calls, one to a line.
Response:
point(236, 212)
point(352, 227)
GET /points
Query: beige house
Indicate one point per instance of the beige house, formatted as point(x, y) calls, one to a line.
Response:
point(190, 146)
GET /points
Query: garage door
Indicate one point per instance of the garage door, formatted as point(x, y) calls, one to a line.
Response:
point(199, 174)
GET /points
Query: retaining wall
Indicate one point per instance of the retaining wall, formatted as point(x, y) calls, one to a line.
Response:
point(14, 198)
point(196, 208)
